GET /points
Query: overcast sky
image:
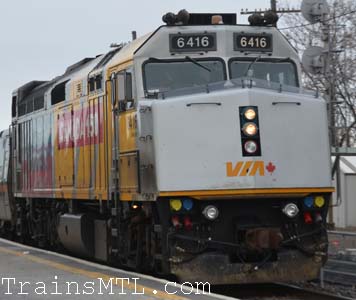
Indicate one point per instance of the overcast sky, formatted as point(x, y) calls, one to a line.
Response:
point(40, 38)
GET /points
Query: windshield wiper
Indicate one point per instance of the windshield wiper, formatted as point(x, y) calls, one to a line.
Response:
point(251, 64)
point(197, 63)
point(287, 59)
point(154, 59)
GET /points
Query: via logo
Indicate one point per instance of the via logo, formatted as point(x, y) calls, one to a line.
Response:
point(249, 168)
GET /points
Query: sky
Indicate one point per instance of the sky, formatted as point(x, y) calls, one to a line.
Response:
point(40, 38)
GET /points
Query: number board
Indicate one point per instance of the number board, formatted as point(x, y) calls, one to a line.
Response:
point(192, 42)
point(253, 42)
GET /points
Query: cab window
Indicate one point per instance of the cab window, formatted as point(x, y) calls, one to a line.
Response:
point(274, 71)
point(166, 75)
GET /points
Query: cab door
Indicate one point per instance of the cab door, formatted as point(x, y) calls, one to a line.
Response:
point(128, 156)
point(65, 147)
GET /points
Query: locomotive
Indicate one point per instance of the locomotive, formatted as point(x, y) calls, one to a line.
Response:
point(190, 151)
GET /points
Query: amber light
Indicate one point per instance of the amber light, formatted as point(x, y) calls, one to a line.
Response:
point(250, 114)
point(216, 20)
point(250, 129)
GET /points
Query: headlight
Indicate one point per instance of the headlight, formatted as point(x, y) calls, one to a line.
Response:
point(319, 201)
point(250, 129)
point(176, 204)
point(211, 212)
point(250, 114)
point(250, 147)
point(290, 210)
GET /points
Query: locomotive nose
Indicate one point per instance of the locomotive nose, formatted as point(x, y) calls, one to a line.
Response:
point(211, 141)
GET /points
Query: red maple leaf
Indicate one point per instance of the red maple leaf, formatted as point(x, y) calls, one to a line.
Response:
point(271, 167)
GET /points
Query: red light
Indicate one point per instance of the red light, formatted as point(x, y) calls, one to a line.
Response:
point(308, 218)
point(176, 223)
point(188, 225)
point(335, 243)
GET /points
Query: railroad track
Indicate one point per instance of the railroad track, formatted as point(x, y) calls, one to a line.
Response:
point(340, 272)
point(278, 291)
point(273, 292)
point(341, 265)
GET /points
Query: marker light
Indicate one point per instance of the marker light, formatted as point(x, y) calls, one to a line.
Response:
point(250, 114)
point(308, 218)
point(250, 147)
point(175, 222)
point(176, 204)
point(188, 225)
point(217, 19)
point(319, 201)
point(309, 202)
point(188, 204)
point(211, 212)
point(318, 218)
point(250, 129)
point(290, 210)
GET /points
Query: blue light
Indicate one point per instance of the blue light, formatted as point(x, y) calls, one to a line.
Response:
point(188, 204)
point(309, 202)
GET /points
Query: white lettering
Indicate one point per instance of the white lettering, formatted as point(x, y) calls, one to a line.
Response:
point(8, 284)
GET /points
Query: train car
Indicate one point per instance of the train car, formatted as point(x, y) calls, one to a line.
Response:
point(190, 151)
point(6, 200)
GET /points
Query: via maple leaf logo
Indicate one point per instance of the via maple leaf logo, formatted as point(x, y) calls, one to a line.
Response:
point(271, 168)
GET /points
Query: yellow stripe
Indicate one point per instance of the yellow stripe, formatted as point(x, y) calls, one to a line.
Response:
point(246, 192)
point(93, 275)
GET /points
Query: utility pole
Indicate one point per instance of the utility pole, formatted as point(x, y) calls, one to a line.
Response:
point(329, 74)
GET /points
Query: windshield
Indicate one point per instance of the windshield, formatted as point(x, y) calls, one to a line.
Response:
point(282, 72)
point(161, 76)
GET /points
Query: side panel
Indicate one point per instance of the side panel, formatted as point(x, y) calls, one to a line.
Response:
point(128, 170)
point(5, 209)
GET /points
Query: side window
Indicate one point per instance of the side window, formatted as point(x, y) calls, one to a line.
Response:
point(98, 82)
point(95, 83)
point(113, 89)
point(124, 90)
point(14, 105)
point(91, 85)
point(58, 94)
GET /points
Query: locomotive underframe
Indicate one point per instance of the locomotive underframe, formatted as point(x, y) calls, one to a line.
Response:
point(245, 244)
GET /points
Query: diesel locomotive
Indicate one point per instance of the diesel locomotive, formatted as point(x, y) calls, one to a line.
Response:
point(192, 151)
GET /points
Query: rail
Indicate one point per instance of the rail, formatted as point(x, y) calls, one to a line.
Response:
point(343, 233)
point(341, 266)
